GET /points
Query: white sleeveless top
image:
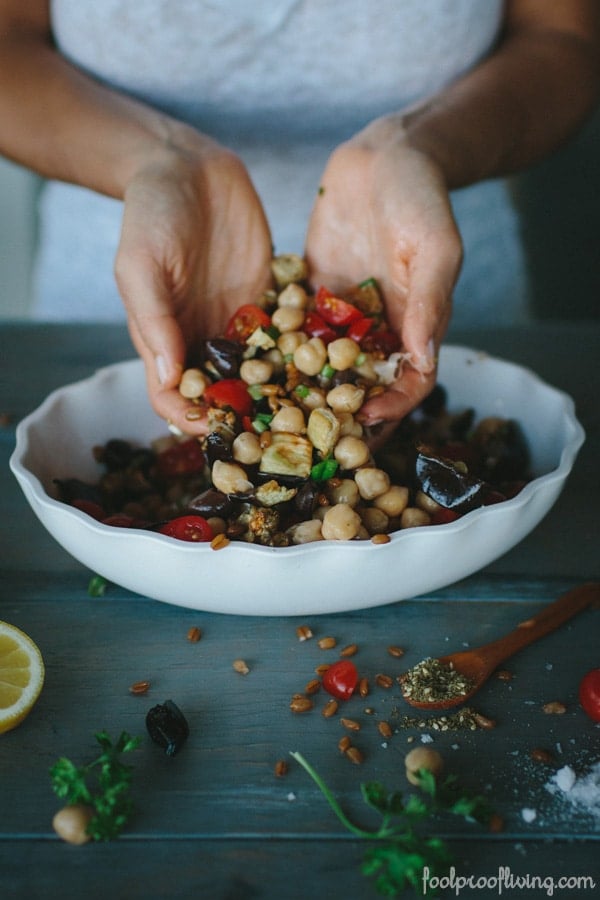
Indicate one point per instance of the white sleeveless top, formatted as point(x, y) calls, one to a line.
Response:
point(281, 82)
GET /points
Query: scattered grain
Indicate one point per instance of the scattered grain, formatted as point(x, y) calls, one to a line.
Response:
point(354, 755)
point(139, 687)
point(344, 743)
point(385, 729)
point(300, 704)
point(240, 666)
point(327, 643)
point(538, 754)
point(281, 768)
point(304, 632)
point(350, 724)
point(384, 681)
point(194, 634)
point(330, 708)
point(396, 651)
point(220, 541)
point(554, 708)
point(313, 686)
point(350, 650)
point(363, 687)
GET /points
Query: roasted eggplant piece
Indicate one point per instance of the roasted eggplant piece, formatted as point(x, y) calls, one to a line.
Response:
point(445, 482)
point(223, 355)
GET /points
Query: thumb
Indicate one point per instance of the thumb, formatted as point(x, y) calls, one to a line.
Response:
point(154, 330)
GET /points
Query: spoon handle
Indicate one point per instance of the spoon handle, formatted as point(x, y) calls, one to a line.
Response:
point(550, 618)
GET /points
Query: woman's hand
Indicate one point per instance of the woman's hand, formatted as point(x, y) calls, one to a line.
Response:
point(383, 211)
point(194, 246)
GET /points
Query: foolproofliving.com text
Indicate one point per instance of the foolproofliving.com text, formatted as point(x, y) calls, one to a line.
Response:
point(504, 881)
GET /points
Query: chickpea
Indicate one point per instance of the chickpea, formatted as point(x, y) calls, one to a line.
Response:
point(344, 491)
point(314, 399)
point(346, 398)
point(340, 523)
point(290, 419)
point(349, 425)
point(293, 296)
point(218, 525)
point(306, 532)
point(351, 452)
point(426, 503)
point(287, 318)
point(394, 501)
point(371, 482)
point(288, 343)
point(287, 267)
point(256, 371)
point(70, 823)
point(366, 369)
point(193, 384)
point(375, 520)
point(275, 357)
point(342, 353)
point(246, 448)
point(229, 478)
point(414, 518)
point(311, 356)
point(422, 758)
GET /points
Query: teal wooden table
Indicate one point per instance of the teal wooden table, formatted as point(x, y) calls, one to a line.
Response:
point(215, 821)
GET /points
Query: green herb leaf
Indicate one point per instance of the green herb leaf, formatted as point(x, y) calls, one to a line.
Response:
point(324, 470)
point(402, 850)
point(97, 586)
point(109, 793)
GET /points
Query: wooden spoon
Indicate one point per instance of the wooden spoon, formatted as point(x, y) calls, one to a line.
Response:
point(478, 664)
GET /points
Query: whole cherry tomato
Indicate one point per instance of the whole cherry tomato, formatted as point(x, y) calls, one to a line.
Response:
point(188, 528)
point(589, 694)
point(334, 310)
point(229, 392)
point(340, 679)
point(182, 458)
point(245, 321)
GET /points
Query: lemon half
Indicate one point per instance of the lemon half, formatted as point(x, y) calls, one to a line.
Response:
point(21, 675)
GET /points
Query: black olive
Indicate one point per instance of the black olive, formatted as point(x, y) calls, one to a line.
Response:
point(115, 454)
point(343, 376)
point(211, 502)
point(167, 726)
point(217, 448)
point(306, 500)
point(226, 356)
point(503, 453)
point(434, 403)
point(441, 480)
point(72, 489)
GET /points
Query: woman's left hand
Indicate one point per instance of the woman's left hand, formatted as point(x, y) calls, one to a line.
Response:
point(383, 211)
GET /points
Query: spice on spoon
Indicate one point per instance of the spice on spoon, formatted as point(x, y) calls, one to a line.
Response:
point(434, 681)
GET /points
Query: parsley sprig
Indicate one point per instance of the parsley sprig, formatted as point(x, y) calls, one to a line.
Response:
point(103, 784)
point(401, 848)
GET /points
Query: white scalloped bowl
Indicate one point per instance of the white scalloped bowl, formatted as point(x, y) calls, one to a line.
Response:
point(56, 440)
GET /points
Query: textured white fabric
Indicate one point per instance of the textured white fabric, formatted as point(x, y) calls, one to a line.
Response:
point(281, 82)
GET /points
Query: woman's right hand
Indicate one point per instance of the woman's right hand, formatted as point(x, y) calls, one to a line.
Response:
point(194, 246)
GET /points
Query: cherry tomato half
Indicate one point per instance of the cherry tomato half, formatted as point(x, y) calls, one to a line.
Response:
point(334, 310)
point(383, 340)
point(182, 458)
point(246, 320)
point(316, 326)
point(589, 694)
point(188, 528)
point(340, 679)
point(229, 392)
point(358, 330)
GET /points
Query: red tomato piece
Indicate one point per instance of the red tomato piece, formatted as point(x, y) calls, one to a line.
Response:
point(120, 520)
point(316, 326)
point(383, 341)
point(358, 330)
point(90, 508)
point(229, 393)
point(340, 679)
point(188, 528)
point(589, 694)
point(442, 516)
point(334, 310)
point(182, 458)
point(244, 321)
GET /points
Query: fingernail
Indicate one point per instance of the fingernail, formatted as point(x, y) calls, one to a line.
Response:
point(161, 368)
point(426, 361)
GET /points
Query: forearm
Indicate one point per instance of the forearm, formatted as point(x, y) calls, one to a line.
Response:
point(519, 105)
point(64, 125)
